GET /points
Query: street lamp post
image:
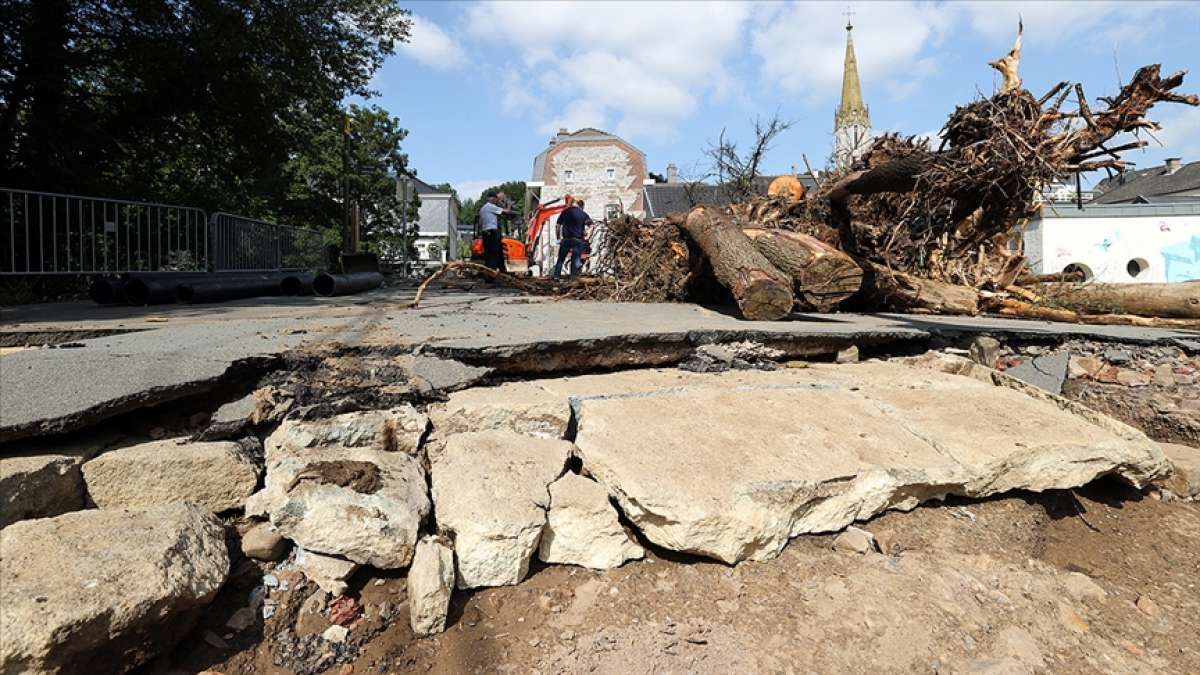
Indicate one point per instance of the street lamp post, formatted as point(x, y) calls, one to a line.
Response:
point(405, 185)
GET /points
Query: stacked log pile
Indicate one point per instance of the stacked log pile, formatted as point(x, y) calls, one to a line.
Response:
point(908, 228)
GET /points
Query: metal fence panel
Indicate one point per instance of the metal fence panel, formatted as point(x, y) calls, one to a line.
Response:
point(51, 233)
point(249, 244)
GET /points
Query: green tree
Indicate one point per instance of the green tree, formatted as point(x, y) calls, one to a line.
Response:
point(187, 101)
point(513, 189)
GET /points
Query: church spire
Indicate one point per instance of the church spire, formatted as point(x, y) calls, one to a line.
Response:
point(852, 110)
point(852, 119)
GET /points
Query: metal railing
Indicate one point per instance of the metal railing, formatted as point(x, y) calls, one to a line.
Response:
point(51, 233)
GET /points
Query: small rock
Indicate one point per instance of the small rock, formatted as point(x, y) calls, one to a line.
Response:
point(534, 642)
point(1084, 366)
point(242, 619)
point(344, 610)
point(230, 420)
point(582, 527)
point(984, 350)
point(215, 640)
point(855, 540)
point(1071, 619)
point(271, 581)
point(848, 355)
point(336, 633)
point(567, 635)
point(1117, 357)
point(1164, 376)
point(315, 603)
point(1107, 375)
point(1081, 586)
point(1184, 479)
point(430, 583)
point(1132, 378)
point(1148, 606)
point(328, 572)
point(263, 542)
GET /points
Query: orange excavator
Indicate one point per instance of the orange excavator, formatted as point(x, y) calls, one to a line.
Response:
point(516, 252)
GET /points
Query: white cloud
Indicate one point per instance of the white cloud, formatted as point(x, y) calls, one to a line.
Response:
point(802, 54)
point(1180, 133)
point(1101, 23)
point(433, 46)
point(471, 189)
point(635, 68)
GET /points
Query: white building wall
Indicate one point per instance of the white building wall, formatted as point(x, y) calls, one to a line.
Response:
point(1167, 247)
point(438, 225)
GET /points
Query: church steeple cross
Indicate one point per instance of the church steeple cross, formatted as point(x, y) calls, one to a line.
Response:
point(848, 13)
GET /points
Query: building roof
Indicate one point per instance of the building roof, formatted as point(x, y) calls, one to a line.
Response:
point(1152, 182)
point(663, 199)
point(584, 134)
point(1189, 207)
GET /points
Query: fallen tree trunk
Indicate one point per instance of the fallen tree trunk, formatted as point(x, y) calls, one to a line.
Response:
point(897, 291)
point(822, 276)
point(762, 292)
point(1025, 310)
point(1180, 301)
point(899, 175)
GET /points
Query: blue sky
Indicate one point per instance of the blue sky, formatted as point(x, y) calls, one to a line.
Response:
point(484, 85)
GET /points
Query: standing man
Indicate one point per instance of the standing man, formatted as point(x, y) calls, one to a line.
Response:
point(489, 224)
point(571, 230)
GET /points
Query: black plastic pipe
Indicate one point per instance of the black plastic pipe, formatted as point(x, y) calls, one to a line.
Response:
point(297, 283)
point(106, 291)
point(327, 284)
point(220, 289)
point(148, 290)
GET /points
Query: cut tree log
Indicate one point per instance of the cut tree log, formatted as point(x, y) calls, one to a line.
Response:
point(762, 292)
point(1179, 300)
point(1025, 310)
point(822, 275)
point(897, 291)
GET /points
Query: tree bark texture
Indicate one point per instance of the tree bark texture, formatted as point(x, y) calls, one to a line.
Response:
point(903, 292)
point(1178, 300)
point(822, 276)
point(762, 292)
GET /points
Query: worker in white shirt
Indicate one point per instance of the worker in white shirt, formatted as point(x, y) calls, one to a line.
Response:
point(489, 225)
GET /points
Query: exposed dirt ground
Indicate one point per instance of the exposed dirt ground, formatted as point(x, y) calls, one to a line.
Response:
point(1027, 583)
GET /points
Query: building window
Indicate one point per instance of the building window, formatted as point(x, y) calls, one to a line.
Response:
point(568, 175)
point(612, 173)
point(612, 211)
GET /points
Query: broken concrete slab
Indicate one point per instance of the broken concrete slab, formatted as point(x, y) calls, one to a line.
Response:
point(1047, 372)
point(47, 481)
point(442, 375)
point(490, 493)
point(168, 364)
point(984, 350)
point(216, 476)
point(773, 460)
point(109, 589)
point(1184, 479)
point(582, 527)
point(430, 584)
point(521, 407)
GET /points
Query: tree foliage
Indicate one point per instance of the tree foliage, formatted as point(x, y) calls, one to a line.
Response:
point(231, 105)
point(735, 171)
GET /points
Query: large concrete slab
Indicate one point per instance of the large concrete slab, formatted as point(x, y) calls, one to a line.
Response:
point(733, 470)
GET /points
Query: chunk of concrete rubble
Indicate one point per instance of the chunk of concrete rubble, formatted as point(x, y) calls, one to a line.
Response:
point(847, 355)
point(1184, 479)
point(582, 527)
point(217, 475)
point(47, 483)
point(263, 542)
point(231, 420)
point(430, 583)
point(521, 407)
point(1047, 372)
point(490, 491)
point(328, 572)
point(398, 429)
point(348, 486)
point(833, 445)
point(436, 374)
point(855, 540)
point(109, 589)
point(984, 350)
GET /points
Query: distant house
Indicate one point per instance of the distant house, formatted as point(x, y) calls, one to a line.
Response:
point(1171, 182)
point(673, 195)
point(438, 233)
point(596, 166)
point(1117, 243)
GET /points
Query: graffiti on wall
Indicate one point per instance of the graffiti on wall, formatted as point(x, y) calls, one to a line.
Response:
point(1181, 261)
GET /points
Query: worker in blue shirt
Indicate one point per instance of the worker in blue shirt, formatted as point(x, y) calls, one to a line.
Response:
point(571, 231)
